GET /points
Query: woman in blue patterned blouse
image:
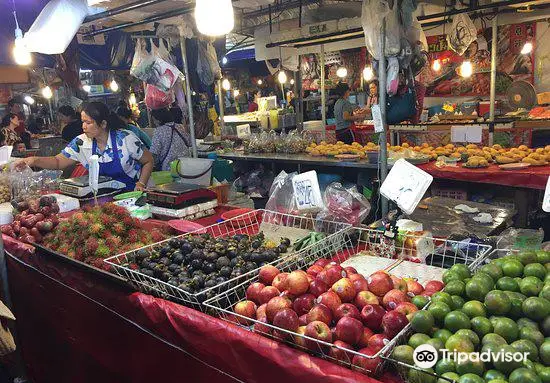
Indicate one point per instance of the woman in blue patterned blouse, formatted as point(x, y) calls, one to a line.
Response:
point(122, 155)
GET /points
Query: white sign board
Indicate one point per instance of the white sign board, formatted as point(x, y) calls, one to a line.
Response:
point(406, 185)
point(307, 193)
point(377, 118)
point(471, 134)
point(546, 199)
point(5, 154)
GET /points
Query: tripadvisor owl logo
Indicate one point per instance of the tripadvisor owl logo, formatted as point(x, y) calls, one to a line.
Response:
point(426, 356)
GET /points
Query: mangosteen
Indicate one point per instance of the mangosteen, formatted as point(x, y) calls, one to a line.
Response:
point(149, 273)
point(222, 261)
point(198, 281)
point(235, 261)
point(210, 283)
point(153, 265)
point(173, 282)
point(231, 252)
point(209, 267)
point(211, 257)
point(247, 257)
point(173, 268)
point(256, 244)
point(249, 266)
point(196, 264)
point(197, 254)
point(186, 287)
point(177, 258)
point(165, 276)
point(174, 243)
point(238, 271)
point(270, 256)
point(285, 241)
point(226, 271)
point(164, 261)
point(186, 248)
point(163, 252)
point(220, 280)
point(282, 248)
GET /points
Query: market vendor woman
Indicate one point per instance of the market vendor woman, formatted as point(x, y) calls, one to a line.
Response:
point(122, 156)
point(344, 114)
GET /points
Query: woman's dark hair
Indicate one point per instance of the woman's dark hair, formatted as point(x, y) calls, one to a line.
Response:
point(99, 112)
point(67, 110)
point(341, 89)
point(7, 119)
point(177, 114)
point(163, 116)
point(124, 112)
point(375, 82)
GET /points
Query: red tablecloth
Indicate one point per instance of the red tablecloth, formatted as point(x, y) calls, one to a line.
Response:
point(531, 178)
point(74, 326)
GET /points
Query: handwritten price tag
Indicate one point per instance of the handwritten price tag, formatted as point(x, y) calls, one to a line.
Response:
point(307, 193)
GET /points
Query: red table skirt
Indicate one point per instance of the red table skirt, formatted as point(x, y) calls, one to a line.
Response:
point(531, 178)
point(74, 326)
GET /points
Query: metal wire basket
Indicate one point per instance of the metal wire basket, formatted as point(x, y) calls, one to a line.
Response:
point(250, 223)
point(340, 249)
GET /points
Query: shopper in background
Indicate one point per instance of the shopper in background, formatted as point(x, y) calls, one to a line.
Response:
point(125, 114)
point(170, 141)
point(71, 125)
point(343, 113)
point(10, 122)
point(14, 107)
point(373, 94)
point(254, 100)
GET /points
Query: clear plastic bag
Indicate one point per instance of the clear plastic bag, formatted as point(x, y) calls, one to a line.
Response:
point(153, 69)
point(158, 99)
point(520, 239)
point(281, 194)
point(5, 187)
point(207, 63)
point(344, 205)
point(463, 32)
point(373, 13)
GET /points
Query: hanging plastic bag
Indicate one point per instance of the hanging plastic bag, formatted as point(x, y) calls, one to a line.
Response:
point(373, 13)
point(153, 69)
point(158, 99)
point(463, 32)
point(207, 63)
point(55, 27)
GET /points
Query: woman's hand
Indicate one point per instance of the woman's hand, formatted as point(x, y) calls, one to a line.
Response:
point(24, 162)
point(139, 186)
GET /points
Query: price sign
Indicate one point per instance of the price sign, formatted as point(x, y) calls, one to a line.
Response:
point(546, 199)
point(406, 185)
point(307, 193)
point(377, 118)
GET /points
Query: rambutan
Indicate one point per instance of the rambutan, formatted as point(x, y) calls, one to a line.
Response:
point(114, 243)
point(97, 229)
point(96, 262)
point(79, 253)
point(102, 251)
point(119, 229)
point(91, 246)
point(157, 236)
point(134, 236)
point(128, 221)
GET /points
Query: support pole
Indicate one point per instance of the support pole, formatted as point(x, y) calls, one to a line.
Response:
point(149, 117)
point(323, 98)
point(189, 97)
point(299, 98)
point(382, 89)
point(221, 105)
point(493, 79)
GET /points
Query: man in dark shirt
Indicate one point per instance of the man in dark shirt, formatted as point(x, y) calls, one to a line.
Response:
point(72, 126)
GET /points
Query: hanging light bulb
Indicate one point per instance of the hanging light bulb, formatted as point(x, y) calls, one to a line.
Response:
point(527, 48)
point(368, 73)
point(466, 69)
point(21, 54)
point(260, 82)
point(226, 85)
point(47, 92)
point(132, 99)
point(291, 81)
point(436, 66)
point(236, 93)
point(282, 77)
point(86, 88)
point(29, 100)
point(342, 72)
point(114, 86)
point(214, 17)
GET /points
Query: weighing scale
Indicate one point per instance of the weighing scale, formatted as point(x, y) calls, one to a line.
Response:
point(177, 196)
point(80, 187)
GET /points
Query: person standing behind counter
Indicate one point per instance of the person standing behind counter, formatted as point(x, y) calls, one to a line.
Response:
point(70, 121)
point(343, 113)
point(122, 155)
point(170, 141)
point(125, 114)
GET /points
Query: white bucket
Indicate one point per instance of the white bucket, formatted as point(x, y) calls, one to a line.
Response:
point(194, 171)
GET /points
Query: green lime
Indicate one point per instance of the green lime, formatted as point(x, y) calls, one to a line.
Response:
point(470, 367)
point(442, 296)
point(438, 344)
point(527, 257)
point(497, 302)
point(539, 367)
point(507, 284)
point(420, 301)
point(422, 321)
point(455, 287)
point(458, 302)
point(474, 309)
point(486, 278)
point(497, 381)
point(449, 375)
point(507, 328)
point(404, 354)
point(442, 334)
point(516, 302)
point(482, 326)
point(439, 310)
point(456, 320)
point(462, 270)
point(449, 276)
point(526, 322)
point(416, 376)
point(545, 326)
point(512, 268)
point(418, 339)
point(494, 270)
point(445, 365)
point(476, 289)
point(535, 270)
point(493, 338)
point(503, 364)
point(528, 347)
point(493, 374)
point(470, 378)
point(543, 256)
point(459, 344)
point(531, 286)
point(544, 353)
point(532, 335)
point(545, 292)
point(536, 308)
point(470, 335)
point(529, 365)
point(544, 374)
point(523, 375)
